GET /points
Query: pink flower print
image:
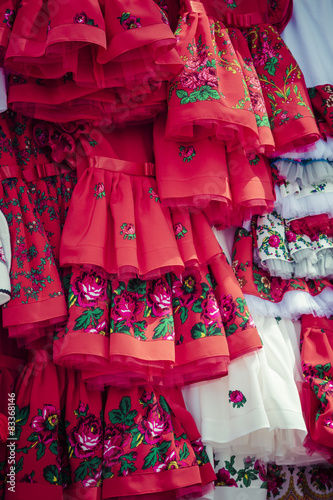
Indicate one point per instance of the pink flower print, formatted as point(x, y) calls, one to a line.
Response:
point(189, 80)
point(249, 324)
point(129, 22)
point(179, 230)
point(187, 289)
point(100, 329)
point(99, 190)
point(261, 468)
point(38, 281)
point(257, 102)
point(128, 230)
point(126, 308)
point(89, 288)
point(207, 76)
point(210, 310)
point(290, 236)
point(155, 424)
point(45, 424)
point(237, 399)
point(275, 480)
point(254, 83)
point(159, 298)
point(154, 195)
point(2, 255)
point(28, 478)
point(278, 288)
point(329, 423)
point(227, 309)
point(93, 482)
point(223, 478)
point(113, 445)
point(9, 18)
point(170, 462)
point(86, 437)
point(82, 18)
point(81, 410)
point(187, 153)
point(274, 241)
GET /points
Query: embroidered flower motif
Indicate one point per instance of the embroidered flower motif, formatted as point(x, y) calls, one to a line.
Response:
point(265, 281)
point(210, 310)
point(89, 288)
point(2, 255)
point(237, 399)
point(329, 422)
point(128, 230)
point(154, 195)
point(223, 478)
point(170, 462)
point(155, 423)
point(28, 478)
point(114, 440)
point(126, 308)
point(45, 424)
point(129, 22)
point(255, 160)
point(82, 18)
point(100, 329)
point(159, 297)
point(290, 236)
point(187, 153)
point(231, 3)
point(9, 18)
point(187, 288)
point(99, 190)
point(227, 309)
point(49, 26)
point(179, 230)
point(86, 437)
point(278, 288)
point(274, 241)
point(93, 482)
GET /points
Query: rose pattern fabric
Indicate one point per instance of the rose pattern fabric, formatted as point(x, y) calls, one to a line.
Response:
point(9, 18)
point(128, 230)
point(129, 21)
point(82, 18)
point(240, 472)
point(89, 288)
point(99, 190)
point(237, 399)
point(45, 424)
point(187, 153)
point(179, 230)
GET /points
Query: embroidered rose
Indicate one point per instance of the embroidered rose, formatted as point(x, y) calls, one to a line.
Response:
point(265, 281)
point(100, 329)
point(169, 463)
point(86, 437)
point(187, 153)
point(210, 310)
point(128, 230)
point(179, 230)
point(45, 424)
point(28, 478)
point(227, 309)
point(274, 241)
point(261, 468)
point(223, 478)
point(322, 477)
point(329, 423)
point(38, 281)
point(129, 22)
point(99, 190)
point(89, 288)
point(237, 399)
point(82, 18)
point(278, 288)
point(189, 80)
point(187, 289)
point(275, 480)
point(155, 424)
point(126, 308)
point(159, 297)
point(154, 195)
point(113, 445)
point(9, 18)
point(208, 77)
point(93, 482)
point(290, 236)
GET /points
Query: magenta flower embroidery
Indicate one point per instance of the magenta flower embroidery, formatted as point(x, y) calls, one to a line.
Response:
point(93, 482)
point(153, 195)
point(207, 76)
point(89, 288)
point(290, 236)
point(210, 310)
point(278, 288)
point(45, 424)
point(274, 241)
point(223, 478)
point(155, 424)
point(99, 190)
point(237, 399)
point(129, 22)
point(179, 230)
point(82, 18)
point(227, 309)
point(231, 3)
point(126, 308)
point(329, 423)
point(187, 288)
point(128, 230)
point(86, 437)
point(9, 18)
point(113, 445)
point(159, 297)
point(189, 80)
point(187, 153)
point(170, 462)
point(100, 329)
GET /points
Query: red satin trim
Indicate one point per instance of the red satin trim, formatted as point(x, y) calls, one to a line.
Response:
point(32, 174)
point(126, 167)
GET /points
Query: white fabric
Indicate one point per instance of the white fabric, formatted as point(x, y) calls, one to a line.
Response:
point(309, 37)
point(317, 151)
point(307, 173)
point(293, 305)
point(291, 204)
point(5, 261)
point(3, 91)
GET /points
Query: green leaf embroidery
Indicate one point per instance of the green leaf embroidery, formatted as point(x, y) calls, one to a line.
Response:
point(137, 437)
point(183, 314)
point(51, 474)
point(184, 453)
point(40, 450)
point(198, 331)
point(164, 328)
point(54, 448)
point(164, 404)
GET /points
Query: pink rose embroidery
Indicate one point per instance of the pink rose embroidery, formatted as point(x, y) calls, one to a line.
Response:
point(128, 230)
point(227, 309)
point(187, 153)
point(274, 241)
point(231, 3)
point(290, 236)
point(86, 437)
point(129, 22)
point(155, 424)
point(9, 18)
point(45, 424)
point(329, 423)
point(237, 399)
point(82, 18)
point(89, 288)
point(189, 80)
point(210, 310)
point(126, 308)
point(159, 298)
point(113, 445)
point(170, 462)
point(93, 482)
point(99, 190)
point(223, 478)
point(207, 76)
point(179, 230)
point(187, 289)
point(278, 288)
point(153, 195)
